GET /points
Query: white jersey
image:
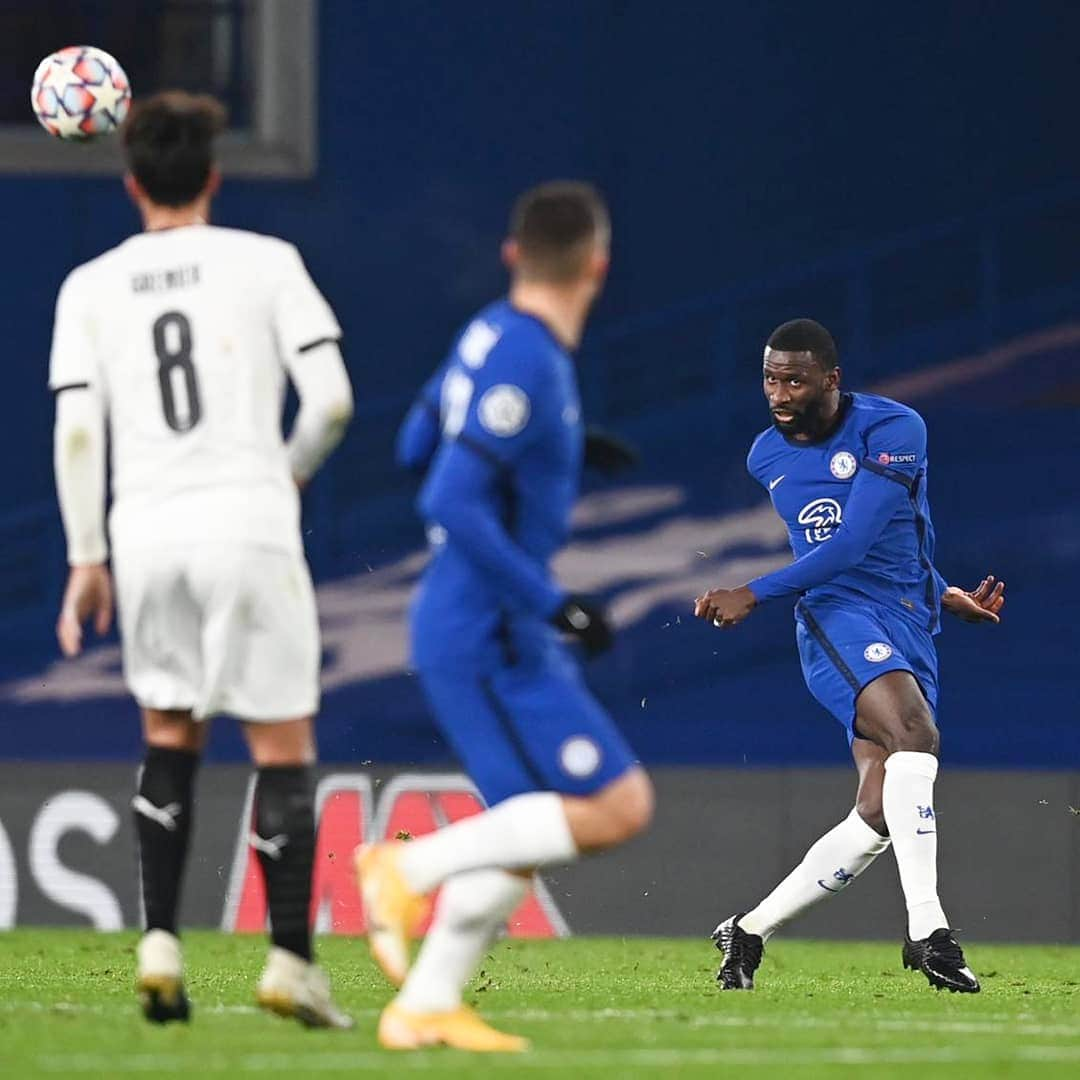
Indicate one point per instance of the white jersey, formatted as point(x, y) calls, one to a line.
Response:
point(189, 333)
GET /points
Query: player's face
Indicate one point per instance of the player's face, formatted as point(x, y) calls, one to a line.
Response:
point(798, 391)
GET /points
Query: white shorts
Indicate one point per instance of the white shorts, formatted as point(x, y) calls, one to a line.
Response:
point(219, 629)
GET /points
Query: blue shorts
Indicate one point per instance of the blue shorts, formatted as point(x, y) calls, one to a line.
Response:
point(528, 727)
point(845, 647)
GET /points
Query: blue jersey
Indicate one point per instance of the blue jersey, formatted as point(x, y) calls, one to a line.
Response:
point(499, 430)
point(856, 509)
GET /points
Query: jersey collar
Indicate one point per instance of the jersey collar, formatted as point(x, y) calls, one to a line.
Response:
point(539, 322)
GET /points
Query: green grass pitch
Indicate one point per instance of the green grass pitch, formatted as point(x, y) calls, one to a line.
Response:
point(592, 1006)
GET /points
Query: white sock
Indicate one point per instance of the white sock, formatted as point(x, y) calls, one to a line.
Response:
point(829, 867)
point(908, 801)
point(471, 909)
point(522, 833)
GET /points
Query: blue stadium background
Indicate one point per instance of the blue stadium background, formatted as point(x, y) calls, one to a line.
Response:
point(911, 178)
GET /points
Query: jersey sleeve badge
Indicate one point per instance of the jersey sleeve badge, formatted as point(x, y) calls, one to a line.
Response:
point(504, 410)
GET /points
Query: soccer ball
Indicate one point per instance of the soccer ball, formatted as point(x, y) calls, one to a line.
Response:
point(80, 92)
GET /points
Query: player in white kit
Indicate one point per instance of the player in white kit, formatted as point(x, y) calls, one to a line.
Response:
point(180, 340)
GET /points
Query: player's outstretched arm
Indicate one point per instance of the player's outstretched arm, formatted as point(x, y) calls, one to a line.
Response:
point(982, 604)
point(326, 407)
point(878, 492)
point(873, 502)
point(79, 462)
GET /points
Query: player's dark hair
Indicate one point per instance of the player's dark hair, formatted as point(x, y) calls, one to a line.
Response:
point(555, 225)
point(169, 143)
point(805, 335)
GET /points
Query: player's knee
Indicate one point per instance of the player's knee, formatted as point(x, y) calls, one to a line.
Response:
point(613, 815)
point(186, 738)
point(282, 744)
point(914, 729)
point(633, 809)
point(173, 730)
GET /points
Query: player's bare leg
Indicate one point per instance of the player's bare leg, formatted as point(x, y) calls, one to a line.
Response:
point(163, 808)
point(484, 864)
point(284, 838)
point(830, 865)
point(615, 814)
point(893, 712)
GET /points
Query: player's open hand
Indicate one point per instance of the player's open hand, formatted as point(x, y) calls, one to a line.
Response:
point(725, 607)
point(982, 605)
point(88, 595)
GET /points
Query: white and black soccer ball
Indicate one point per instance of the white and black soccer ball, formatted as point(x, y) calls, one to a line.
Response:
point(80, 92)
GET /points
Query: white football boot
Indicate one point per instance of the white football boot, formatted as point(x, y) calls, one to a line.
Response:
point(160, 978)
point(290, 986)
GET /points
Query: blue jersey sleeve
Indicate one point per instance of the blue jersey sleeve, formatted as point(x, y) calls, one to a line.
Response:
point(501, 411)
point(896, 447)
point(896, 450)
point(753, 460)
point(418, 437)
point(487, 425)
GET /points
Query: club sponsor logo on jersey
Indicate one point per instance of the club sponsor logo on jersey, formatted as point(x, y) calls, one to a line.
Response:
point(821, 518)
point(504, 410)
point(843, 465)
point(877, 652)
point(897, 459)
point(579, 757)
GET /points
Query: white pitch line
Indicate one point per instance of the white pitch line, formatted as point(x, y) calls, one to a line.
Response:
point(989, 1025)
point(113, 1009)
point(574, 1060)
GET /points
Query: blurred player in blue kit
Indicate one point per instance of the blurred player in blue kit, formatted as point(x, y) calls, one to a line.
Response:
point(847, 473)
point(498, 430)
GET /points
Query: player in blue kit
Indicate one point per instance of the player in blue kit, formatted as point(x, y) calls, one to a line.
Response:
point(498, 431)
point(847, 473)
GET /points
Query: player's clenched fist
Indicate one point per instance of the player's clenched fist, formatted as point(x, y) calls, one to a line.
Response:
point(725, 607)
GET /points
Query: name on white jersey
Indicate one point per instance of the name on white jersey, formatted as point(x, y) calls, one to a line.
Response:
point(178, 277)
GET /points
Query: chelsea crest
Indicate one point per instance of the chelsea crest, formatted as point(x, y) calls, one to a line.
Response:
point(843, 465)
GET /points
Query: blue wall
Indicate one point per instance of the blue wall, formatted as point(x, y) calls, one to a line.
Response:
point(739, 144)
point(734, 140)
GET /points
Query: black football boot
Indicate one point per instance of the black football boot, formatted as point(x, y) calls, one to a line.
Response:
point(742, 954)
point(940, 958)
